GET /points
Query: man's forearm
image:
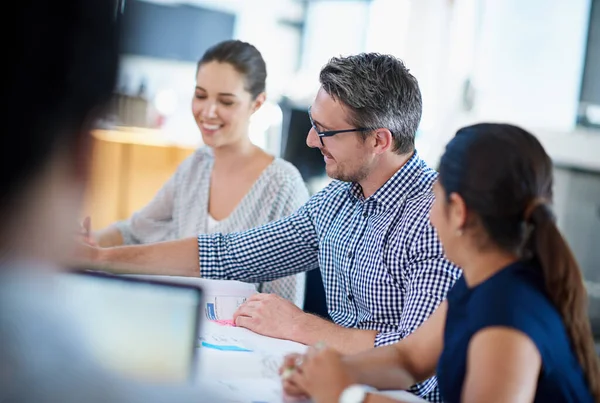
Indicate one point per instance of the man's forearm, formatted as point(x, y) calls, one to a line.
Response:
point(312, 329)
point(173, 258)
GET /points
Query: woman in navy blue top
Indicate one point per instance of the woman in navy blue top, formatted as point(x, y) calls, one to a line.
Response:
point(514, 300)
point(514, 327)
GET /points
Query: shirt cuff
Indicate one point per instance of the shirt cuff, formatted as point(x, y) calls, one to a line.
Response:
point(383, 339)
point(208, 256)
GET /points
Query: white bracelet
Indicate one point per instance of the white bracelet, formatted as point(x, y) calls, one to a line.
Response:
point(356, 393)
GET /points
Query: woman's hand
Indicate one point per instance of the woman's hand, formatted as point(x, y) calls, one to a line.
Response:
point(321, 374)
point(85, 248)
point(290, 389)
point(86, 232)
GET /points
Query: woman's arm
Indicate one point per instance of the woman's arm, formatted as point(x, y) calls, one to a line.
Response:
point(416, 356)
point(108, 237)
point(394, 367)
point(503, 365)
point(379, 398)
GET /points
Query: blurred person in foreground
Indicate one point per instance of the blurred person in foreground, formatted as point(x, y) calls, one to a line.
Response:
point(61, 71)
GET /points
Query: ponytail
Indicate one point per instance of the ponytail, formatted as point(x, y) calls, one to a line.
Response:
point(565, 287)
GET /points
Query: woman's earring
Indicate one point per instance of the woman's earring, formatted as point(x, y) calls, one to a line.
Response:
point(459, 232)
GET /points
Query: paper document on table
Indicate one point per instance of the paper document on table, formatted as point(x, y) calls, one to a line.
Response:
point(221, 297)
point(237, 353)
point(214, 333)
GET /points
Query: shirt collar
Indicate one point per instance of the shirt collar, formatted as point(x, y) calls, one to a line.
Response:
point(401, 185)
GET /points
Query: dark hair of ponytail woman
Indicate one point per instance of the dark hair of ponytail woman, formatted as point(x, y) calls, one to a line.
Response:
point(505, 177)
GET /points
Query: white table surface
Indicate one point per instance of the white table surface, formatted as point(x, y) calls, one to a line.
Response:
point(249, 377)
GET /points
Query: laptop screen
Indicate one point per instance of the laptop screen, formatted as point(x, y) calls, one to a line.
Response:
point(141, 328)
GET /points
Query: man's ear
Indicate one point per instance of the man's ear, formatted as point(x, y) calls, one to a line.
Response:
point(382, 140)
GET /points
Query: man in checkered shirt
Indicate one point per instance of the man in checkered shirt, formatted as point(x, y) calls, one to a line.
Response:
point(383, 267)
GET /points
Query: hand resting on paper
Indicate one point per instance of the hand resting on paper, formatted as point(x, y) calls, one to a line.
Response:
point(291, 363)
point(269, 315)
point(321, 374)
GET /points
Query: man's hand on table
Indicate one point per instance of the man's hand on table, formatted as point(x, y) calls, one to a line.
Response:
point(269, 315)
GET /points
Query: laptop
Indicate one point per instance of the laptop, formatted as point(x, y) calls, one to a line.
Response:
point(140, 328)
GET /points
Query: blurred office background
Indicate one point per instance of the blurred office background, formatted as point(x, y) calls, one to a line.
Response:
point(535, 63)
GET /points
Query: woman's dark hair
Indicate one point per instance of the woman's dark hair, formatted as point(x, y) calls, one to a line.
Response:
point(244, 58)
point(504, 176)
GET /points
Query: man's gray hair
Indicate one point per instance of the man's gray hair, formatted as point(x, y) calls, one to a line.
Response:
point(380, 93)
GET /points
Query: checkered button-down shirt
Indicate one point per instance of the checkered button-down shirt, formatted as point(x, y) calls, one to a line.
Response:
point(382, 265)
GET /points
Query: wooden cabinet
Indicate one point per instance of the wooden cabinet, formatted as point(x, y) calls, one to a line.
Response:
point(128, 168)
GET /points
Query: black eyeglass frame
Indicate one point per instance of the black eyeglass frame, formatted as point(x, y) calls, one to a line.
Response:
point(329, 133)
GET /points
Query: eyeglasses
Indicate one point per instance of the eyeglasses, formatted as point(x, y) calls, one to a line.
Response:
point(329, 133)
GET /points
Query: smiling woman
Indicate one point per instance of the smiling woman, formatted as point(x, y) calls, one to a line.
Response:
point(229, 184)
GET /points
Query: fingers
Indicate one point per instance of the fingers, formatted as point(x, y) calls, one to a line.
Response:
point(90, 241)
point(87, 240)
point(85, 232)
point(292, 364)
point(289, 361)
point(260, 297)
point(319, 349)
point(296, 383)
point(248, 308)
point(240, 311)
point(257, 302)
point(246, 322)
point(292, 376)
point(292, 390)
point(253, 297)
point(87, 226)
point(239, 320)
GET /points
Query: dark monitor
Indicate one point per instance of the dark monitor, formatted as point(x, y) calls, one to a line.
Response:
point(176, 32)
point(295, 127)
point(590, 83)
point(590, 91)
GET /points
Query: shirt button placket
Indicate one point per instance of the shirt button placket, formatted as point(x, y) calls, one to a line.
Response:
point(348, 292)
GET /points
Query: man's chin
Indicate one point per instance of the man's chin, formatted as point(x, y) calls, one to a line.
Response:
point(339, 176)
point(331, 172)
